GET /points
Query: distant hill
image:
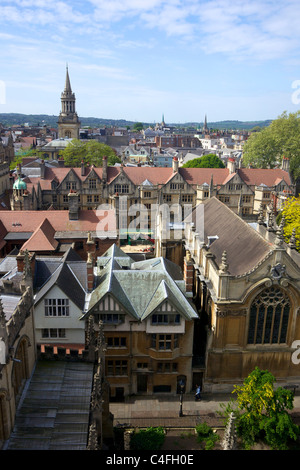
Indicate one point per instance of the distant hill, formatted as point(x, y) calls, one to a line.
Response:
point(12, 119)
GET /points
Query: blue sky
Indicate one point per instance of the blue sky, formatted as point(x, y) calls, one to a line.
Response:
point(140, 59)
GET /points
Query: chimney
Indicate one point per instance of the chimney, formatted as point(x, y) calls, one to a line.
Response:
point(73, 205)
point(285, 164)
point(24, 257)
point(231, 165)
point(104, 169)
point(42, 168)
point(188, 274)
point(82, 168)
point(90, 272)
point(20, 261)
point(175, 164)
point(61, 162)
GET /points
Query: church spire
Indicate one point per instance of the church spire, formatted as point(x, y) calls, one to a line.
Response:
point(68, 88)
point(68, 122)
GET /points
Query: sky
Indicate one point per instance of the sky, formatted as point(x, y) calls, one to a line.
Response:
point(140, 60)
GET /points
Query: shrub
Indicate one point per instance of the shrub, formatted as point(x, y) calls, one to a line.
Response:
point(147, 439)
point(206, 434)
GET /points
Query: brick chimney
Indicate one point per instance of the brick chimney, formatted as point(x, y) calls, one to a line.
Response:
point(104, 169)
point(90, 272)
point(175, 164)
point(82, 168)
point(42, 168)
point(231, 165)
point(73, 205)
point(188, 274)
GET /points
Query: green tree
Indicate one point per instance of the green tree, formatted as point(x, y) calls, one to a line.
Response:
point(22, 153)
point(138, 126)
point(264, 411)
point(265, 149)
point(91, 152)
point(291, 212)
point(147, 439)
point(207, 161)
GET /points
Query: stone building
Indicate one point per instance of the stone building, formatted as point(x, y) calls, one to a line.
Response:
point(148, 323)
point(17, 346)
point(123, 188)
point(246, 285)
point(7, 154)
point(68, 121)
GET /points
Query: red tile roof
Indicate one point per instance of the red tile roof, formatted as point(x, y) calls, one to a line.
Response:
point(270, 177)
point(160, 176)
point(29, 221)
point(42, 238)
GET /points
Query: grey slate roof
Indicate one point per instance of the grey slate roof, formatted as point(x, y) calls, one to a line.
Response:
point(69, 273)
point(244, 246)
point(141, 287)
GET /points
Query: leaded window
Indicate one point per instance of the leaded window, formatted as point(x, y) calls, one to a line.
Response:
point(269, 317)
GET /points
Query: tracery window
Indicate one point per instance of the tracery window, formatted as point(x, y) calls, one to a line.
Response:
point(269, 317)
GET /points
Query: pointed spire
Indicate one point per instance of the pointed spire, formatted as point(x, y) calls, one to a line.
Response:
point(230, 437)
point(224, 265)
point(261, 218)
point(93, 438)
point(2, 315)
point(279, 234)
point(271, 217)
point(68, 83)
point(292, 242)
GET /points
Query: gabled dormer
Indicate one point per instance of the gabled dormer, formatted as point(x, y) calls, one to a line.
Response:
point(234, 184)
point(92, 181)
point(121, 184)
point(70, 182)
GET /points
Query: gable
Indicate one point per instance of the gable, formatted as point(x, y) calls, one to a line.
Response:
point(70, 177)
point(235, 183)
point(92, 176)
point(177, 182)
point(108, 304)
point(166, 307)
point(121, 180)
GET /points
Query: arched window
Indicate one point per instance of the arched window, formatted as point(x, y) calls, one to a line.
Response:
point(269, 317)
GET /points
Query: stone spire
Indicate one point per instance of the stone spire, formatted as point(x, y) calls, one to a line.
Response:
point(279, 234)
point(224, 265)
point(292, 242)
point(261, 218)
point(93, 438)
point(68, 122)
point(229, 440)
point(68, 88)
point(271, 217)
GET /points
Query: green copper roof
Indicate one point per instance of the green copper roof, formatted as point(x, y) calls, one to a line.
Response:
point(140, 287)
point(19, 184)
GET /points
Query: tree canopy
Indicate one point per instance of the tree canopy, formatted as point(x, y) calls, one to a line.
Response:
point(265, 411)
point(207, 161)
point(90, 152)
point(265, 149)
point(291, 213)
